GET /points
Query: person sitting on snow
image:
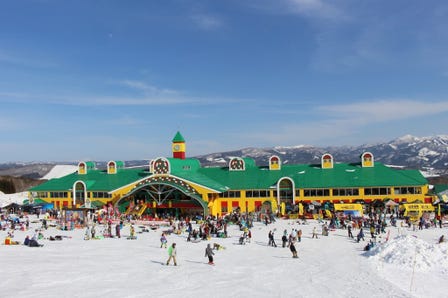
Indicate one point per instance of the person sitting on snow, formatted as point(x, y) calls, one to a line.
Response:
point(26, 241)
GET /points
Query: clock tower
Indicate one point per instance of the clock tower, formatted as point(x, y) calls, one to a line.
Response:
point(178, 146)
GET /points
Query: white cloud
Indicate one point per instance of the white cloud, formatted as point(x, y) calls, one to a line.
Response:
point(207, 22)
point(148, 88)
point(345, 121)
point(315, 8)
point(385, 110)
point(311, 9)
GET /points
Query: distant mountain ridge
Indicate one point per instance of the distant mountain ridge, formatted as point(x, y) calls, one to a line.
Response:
point(429, 154)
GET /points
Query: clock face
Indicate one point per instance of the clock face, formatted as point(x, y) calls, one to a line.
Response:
point(177, 147)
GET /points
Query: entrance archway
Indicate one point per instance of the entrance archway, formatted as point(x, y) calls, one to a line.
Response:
point(164, 196)
point(79, 193)
point(285, 195)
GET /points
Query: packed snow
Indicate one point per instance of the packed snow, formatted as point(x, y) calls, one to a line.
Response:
point(410, 264)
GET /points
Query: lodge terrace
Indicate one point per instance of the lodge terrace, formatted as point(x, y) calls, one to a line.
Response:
point(181, 186)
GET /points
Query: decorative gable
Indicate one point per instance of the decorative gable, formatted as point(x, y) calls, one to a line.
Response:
point(237, 164)
point(367, 160)
point(160, 165)
point(274, 163)
point(327, 161)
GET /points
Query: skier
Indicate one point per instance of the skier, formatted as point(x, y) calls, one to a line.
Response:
point(293, 250)
point(172, 252)
point(209, 253)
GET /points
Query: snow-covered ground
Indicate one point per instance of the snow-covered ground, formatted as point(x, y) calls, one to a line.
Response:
point(410, 264)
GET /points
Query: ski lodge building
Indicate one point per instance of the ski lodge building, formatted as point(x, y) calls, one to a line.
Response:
point(180, 185)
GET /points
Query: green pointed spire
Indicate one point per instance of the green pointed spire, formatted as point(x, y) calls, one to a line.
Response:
point(178, 138)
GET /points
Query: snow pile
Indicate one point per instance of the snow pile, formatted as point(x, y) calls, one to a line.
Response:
point(17, 198)
point(59, 171)
point(405, 251)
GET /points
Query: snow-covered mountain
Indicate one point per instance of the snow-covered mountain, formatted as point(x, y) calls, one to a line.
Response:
point(424, 153)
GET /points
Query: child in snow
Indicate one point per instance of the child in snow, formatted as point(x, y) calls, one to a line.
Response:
point(314, 233)
point(163, 241)
point(172, 252)
point(209, 253)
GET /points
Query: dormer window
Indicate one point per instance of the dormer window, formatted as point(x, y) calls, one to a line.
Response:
point(367, 160)
point(85, 166)
point(274, 163)
point(327, 161)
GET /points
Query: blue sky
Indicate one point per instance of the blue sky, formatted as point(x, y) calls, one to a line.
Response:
point(102, 80)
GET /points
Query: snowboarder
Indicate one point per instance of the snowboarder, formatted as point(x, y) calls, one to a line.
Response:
point(172, 252)
point(209, 253)
point(293, 250)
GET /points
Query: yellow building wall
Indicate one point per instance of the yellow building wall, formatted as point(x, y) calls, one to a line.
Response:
point(362, 196)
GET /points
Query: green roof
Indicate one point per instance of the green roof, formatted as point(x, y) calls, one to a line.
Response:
point(220, 179)
point(308, 176)
point(438, 188)
point(95, 180)
point(178, 138)
point(90, 164)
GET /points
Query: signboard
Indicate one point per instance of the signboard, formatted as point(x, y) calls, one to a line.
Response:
point(350, 209)
point(419, 207)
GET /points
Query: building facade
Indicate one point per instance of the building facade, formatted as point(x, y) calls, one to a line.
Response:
point(180, 185)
